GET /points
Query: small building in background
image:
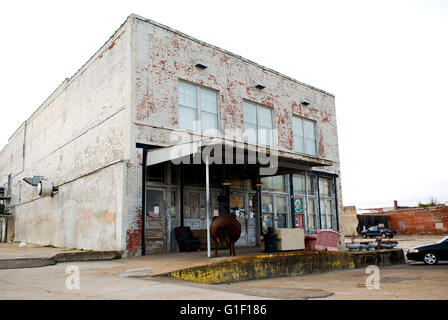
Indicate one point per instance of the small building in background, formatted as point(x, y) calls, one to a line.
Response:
point(406, 219)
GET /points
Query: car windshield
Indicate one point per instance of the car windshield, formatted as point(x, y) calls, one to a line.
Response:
point(442, 240)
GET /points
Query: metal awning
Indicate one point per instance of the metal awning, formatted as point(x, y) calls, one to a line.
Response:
point(286, 160)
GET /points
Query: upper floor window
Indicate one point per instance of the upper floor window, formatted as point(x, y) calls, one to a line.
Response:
point(304, 136)
point(258, 124)
point(198, 109)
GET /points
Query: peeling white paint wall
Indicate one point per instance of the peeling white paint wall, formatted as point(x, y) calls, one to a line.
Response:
point(76, 139)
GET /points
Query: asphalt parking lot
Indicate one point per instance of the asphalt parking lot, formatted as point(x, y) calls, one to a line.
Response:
point(130, 279)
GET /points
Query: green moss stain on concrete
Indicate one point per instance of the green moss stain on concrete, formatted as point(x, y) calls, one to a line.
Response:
point(264, 266)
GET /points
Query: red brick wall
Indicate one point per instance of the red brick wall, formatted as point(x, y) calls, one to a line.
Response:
point(419, 221)
point(134, 237)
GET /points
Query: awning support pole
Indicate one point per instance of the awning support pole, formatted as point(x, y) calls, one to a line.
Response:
point(144, 162)
point(207, 197)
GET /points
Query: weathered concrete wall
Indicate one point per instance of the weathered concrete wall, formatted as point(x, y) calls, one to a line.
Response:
point(79, 140)
point(285, 265)
point(349, 221)
point(420, 221)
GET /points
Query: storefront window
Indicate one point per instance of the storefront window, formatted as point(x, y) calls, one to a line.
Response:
point(311, 214)
point(327, 210)
point(156, 172)
point(273, 184)
point(304, 200)
point(267, 210)
point(299, 183)
point(281, 207)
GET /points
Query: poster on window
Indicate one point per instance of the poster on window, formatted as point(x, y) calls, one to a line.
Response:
point(298, 205)
point(299, 220)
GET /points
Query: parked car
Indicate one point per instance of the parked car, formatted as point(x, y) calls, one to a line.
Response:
point(430, 253)
point(378, 231)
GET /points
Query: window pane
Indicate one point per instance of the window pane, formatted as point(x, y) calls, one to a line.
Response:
point(208, 101)
point(265, 136)
point(297, 126)
point(310, 137)
point(209, 123)
point(308, 129)
point(274, 184)
point(187, 117)
point(298, 144)
point(187, 95)
point(323, 214)
point(250, 113)
point(299, 183)
point(325, 187)
point(281, 204)
point(298, 135)
point(250, 133)
point(310, 146)
point(329, 214)
point(264, 117)
point(267, 212)
point(311, 184)
point(311, 214)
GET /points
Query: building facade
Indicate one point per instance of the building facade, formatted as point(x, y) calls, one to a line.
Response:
point(103, 139)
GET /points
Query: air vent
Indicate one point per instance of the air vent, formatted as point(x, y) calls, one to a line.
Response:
point(200, 65)
point(304, 101)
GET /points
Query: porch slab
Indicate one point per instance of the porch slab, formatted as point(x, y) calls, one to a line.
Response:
point(12, 256)
point(285, 264)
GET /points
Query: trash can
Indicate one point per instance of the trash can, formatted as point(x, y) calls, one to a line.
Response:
point(270, 241)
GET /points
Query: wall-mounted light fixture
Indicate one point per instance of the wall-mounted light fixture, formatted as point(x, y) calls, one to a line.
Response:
point(34, 180)
point(259, 86)
point(226, 182)
point(45, 188)
point(200, 65)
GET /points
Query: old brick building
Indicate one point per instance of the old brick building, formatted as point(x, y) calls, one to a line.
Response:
point(145, 90)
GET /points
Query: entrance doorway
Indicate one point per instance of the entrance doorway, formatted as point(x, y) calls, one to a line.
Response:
point(155, 228)
point(242, 205)
point(275, 211)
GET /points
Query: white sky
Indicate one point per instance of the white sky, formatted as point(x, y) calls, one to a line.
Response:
point(386, 62)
